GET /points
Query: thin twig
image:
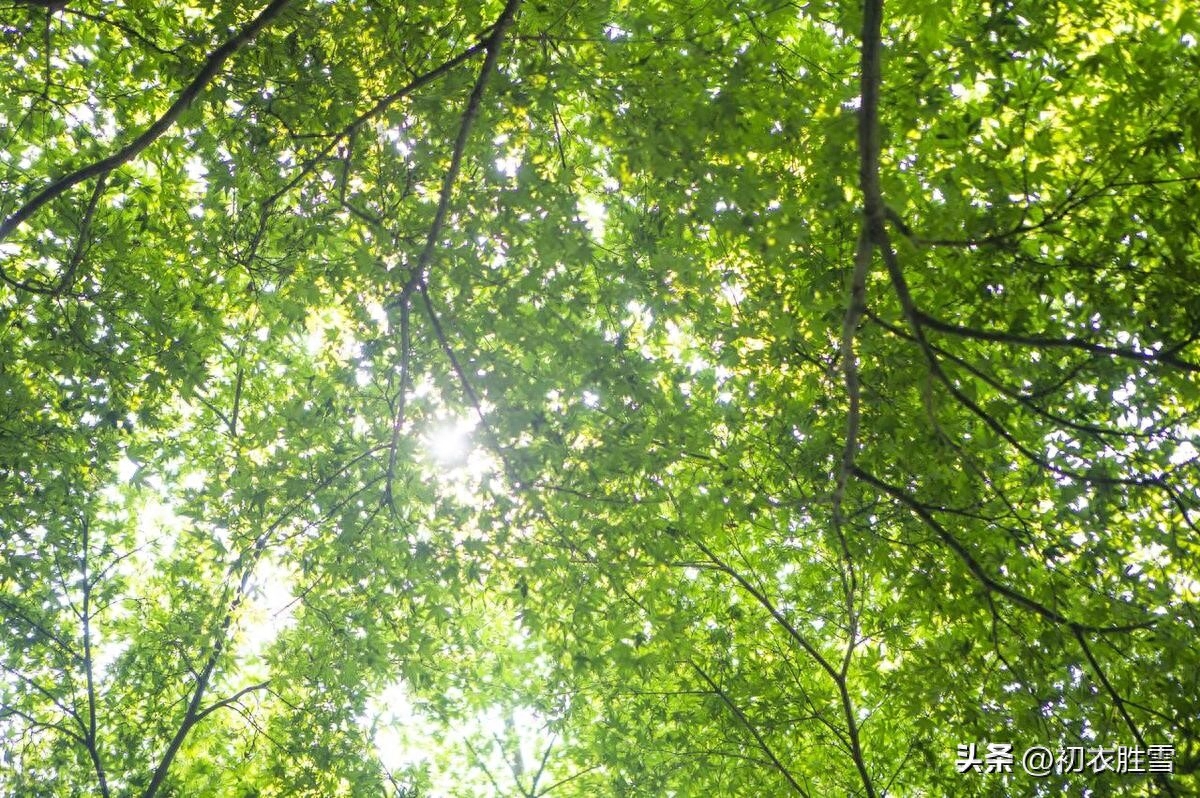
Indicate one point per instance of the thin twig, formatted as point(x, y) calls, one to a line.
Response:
point(750, 727)
point(978, 571)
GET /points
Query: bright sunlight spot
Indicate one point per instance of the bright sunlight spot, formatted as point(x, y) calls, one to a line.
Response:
point(449, 442)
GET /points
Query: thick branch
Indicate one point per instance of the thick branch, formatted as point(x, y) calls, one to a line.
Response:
point(89, 667)
point(870, 79)
point(193, 714)
point(492, 47)
point(868, 148)
point(212, 65)
point(416, 280)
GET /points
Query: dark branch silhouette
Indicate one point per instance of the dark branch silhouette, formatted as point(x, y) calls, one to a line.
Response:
point(211, 67)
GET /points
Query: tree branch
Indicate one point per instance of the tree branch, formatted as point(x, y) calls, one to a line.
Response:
point(417, 276)
point(90, 741)
point(492, 47)
point(193, 714)
point(754, 732)
point(1046, 342)
point(978, 571)
point(212, 65)
point(228, 701)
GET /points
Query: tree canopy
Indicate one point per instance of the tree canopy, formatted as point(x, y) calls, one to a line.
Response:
point(598, 397)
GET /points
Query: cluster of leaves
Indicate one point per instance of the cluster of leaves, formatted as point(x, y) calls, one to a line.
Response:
point(830, 371)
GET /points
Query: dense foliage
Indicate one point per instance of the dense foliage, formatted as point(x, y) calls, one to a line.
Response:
point(597, 398)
